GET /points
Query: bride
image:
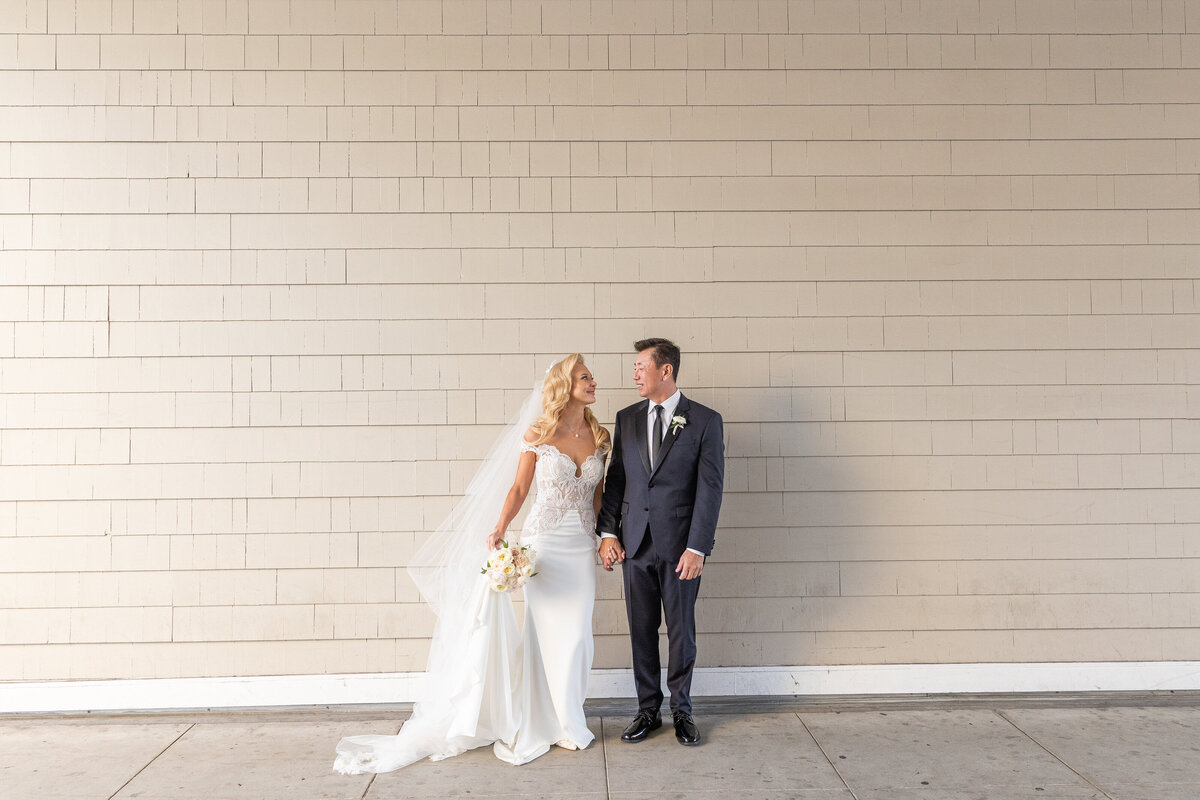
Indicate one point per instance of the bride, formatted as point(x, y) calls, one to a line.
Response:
point(486, 683)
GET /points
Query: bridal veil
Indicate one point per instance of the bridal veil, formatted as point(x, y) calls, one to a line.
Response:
point(466, 700)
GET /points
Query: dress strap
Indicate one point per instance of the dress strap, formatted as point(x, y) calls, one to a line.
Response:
point(526, 447)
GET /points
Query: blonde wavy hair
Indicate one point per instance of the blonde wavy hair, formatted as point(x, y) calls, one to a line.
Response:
point(556, 393)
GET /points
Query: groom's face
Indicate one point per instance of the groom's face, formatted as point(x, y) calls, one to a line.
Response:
point(648, 376)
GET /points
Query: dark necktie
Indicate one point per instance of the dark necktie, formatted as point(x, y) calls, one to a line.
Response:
point(656, 436)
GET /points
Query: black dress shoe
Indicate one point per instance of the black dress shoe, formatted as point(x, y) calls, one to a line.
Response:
point(686, 731)
point(640, 728)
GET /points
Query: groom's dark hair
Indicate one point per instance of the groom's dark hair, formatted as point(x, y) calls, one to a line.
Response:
point(665, 352)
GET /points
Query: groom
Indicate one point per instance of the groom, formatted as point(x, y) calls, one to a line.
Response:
point(660, 506)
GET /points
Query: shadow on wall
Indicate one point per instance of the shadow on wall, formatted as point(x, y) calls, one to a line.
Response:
point(798, 510)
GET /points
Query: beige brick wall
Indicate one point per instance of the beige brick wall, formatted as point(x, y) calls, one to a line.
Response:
point(273, 272)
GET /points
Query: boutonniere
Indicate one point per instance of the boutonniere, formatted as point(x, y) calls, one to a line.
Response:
point(677, 422)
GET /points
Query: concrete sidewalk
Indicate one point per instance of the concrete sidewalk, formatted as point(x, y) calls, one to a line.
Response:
point(1129, 747)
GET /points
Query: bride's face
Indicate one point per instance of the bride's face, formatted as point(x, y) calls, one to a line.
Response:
point(583, 385)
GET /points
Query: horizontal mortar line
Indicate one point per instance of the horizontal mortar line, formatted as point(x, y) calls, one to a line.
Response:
point(827, 560)
point(1082, 103)
point(55, 287)
point(873, 421)
point(761, 177)
point(669, 71)
point(865, 105)
point(493, 248)
point(887, 529)
point(1025, 104)
point(1083, 99)
point(625, 141)
point(190, 571)
point(275, 570)
point(792, 351)
point(571, 140)
point(849, 459)
point(761, 388)
point(923, 421)
point(852, 461)
point(798, 315)
point(1125, 315)
point(796, 352)
point(633, 139)
point(840, 457)
point(1130, 315)
point(707, 596)
point(566, 247)
point(608, 34)
point(603, 282)
point(988, 34)
point(592, 211)
point(1002, 140)
point(597, 212)
point(195, 572)
point(590, 248)
point(882, 315)
point(498, 423)
point(801, 318)
point(781, 494)
point(569, 176)
point(843, 385)
point(804, 386)
point(427, 355)
point(849, 559)
point(672, 71)
point(577, 105)
point(622, 634)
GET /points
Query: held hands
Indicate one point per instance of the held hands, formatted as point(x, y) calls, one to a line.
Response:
point(611, 552)
point(690, 566)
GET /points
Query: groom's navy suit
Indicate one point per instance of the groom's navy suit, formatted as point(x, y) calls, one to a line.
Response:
point(657, 513)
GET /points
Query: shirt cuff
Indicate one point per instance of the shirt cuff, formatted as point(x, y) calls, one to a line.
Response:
point(606, 535)
point(697, 552)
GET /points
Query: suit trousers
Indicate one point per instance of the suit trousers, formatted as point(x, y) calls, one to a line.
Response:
point(652, 587)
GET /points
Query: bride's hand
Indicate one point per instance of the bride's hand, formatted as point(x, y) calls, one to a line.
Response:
point(494, 539)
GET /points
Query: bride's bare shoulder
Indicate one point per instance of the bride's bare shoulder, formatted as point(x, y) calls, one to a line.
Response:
point(531, 435)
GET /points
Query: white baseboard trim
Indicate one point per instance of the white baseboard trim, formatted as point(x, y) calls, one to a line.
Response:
point(404, 687)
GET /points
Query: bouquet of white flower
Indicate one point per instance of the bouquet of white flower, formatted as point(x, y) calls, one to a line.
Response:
point(509, 567)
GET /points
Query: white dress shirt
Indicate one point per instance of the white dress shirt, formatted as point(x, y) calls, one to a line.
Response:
point(669, 405)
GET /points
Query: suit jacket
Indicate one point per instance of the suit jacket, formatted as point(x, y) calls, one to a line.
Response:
point(680, 499)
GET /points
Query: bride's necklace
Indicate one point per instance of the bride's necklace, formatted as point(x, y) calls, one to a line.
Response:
point(577, 432)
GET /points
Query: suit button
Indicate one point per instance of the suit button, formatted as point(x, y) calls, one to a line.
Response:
point(647, 508)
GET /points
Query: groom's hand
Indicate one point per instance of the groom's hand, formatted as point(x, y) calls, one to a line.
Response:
point(690, 566)
point(611, 552)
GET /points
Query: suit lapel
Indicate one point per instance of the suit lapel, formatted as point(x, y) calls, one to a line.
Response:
point(672, 434)
point(639, 432)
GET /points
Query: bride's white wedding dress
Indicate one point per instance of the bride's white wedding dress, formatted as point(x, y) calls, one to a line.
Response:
point(522, 693)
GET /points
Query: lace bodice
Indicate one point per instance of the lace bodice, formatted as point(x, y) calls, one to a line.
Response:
point(560, 490)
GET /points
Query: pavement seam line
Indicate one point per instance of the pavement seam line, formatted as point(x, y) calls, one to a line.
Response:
point(820, 747)
point(368, 787)
point(121, 788)
point(1054, 755)
point(604, 755)
point(375, 775)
